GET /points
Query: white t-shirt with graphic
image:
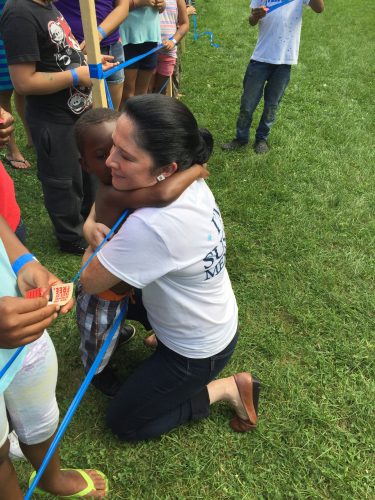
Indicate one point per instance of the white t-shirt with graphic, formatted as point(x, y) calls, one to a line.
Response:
point(176, 255)
point(279, 31)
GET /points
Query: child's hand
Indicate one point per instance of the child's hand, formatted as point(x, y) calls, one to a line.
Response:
point(191, 10)
point(168, 44)
point(23, 320)
point(6, 126)
point(204, 171)
point(258, 13)
point(95, 232)
point(107, 62)
point(159, 5)
point(34, 275)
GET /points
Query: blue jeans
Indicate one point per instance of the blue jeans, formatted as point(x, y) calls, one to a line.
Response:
point(165, 391)
point(259, 76)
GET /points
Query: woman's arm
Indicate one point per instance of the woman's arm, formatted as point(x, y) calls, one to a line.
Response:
point(96, 278)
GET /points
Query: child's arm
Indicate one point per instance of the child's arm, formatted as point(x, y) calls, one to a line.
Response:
point(159, 195)
point(115, 17)
point(183, 25)
point(256, 15)
point(28, 81)
point(94, 232)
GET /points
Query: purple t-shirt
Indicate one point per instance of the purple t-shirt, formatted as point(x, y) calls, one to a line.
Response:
point(71, 11)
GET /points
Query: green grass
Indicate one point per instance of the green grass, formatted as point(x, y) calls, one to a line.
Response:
point(300, 232)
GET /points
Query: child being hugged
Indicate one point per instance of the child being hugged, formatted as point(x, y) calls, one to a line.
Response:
point(174, 21)
point(96, 313)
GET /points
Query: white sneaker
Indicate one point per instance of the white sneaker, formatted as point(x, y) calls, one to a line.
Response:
point(15, 452)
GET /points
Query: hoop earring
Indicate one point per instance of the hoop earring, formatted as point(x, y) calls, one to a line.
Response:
point(160, 178)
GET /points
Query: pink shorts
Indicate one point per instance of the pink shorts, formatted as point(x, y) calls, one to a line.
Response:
point(165, 65)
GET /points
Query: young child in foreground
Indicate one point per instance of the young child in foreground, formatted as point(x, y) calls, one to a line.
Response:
point(96, 313)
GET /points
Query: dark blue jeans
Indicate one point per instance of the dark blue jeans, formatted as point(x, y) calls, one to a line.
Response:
point(165, 391)
point(273, 80)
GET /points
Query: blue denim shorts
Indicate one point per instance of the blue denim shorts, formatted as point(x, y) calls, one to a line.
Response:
point(136, 49)
point(115, 50)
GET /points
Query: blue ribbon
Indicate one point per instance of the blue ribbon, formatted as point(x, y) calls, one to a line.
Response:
point(204, 33)
point(115, 226)
point(74, 404)
point(278, 5)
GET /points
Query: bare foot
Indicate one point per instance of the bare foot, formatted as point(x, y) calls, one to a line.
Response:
point(70, 481)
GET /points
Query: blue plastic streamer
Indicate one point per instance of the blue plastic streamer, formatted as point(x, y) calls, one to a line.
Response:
point(74, 404)
point(10, 361)
point(115, 226)
point(108, 94)
point(278, 5)
point(96, 71)
point(204, 33)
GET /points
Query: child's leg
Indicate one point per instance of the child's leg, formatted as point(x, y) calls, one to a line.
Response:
point(61, 176)
point(8, 479)
point(164, 70)
point(143, 81)
point(14, 154)
point(95, 316)
point(255, 77)
point(30, 400)
point(129, 84)
point(273, 93)
point(20, 103)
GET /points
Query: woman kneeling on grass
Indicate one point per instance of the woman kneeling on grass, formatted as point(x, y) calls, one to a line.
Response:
point(176, 255)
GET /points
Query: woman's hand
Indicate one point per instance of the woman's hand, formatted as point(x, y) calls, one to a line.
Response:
point(34, 275)
point(23, 320)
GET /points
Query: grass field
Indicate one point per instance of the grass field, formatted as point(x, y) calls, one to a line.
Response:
point(300, 227)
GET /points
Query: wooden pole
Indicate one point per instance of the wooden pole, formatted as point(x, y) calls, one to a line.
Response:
point(90, 31)
point(169, 91)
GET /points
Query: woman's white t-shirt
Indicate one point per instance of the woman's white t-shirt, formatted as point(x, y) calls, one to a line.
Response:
point(176, 255)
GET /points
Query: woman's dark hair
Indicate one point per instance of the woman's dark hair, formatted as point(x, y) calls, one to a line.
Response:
point(92, 117)
point(168, 131)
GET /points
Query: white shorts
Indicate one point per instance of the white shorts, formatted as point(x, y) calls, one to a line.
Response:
point(30, 398)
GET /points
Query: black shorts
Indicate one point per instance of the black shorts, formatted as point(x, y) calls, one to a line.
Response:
point(148, 63)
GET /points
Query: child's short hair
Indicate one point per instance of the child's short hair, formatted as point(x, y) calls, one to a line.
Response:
point(92, 117)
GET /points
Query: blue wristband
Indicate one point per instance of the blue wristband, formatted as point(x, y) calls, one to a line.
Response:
point(102, 32)
point(21, 261)
point(75, 77)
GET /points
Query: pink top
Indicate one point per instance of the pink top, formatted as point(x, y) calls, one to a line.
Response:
point(9, 208)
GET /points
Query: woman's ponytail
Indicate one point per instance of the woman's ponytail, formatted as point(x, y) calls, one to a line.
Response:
point(206, 144)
